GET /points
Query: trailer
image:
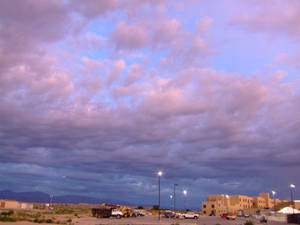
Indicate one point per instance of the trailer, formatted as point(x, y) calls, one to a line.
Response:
point(102, 212)
point(293, 218)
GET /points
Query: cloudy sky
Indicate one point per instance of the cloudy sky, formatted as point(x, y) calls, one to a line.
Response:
point(96, 96)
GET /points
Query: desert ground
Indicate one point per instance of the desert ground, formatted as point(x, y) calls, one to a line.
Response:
point(148, 220)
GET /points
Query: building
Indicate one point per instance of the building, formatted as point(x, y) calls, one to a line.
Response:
point(241, 201)
point(9, 204)
point(12, 204)
point(218, 204)
point(297, 204)
point(26, 205)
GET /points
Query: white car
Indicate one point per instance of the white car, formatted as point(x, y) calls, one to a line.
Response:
point(179, 215)
point(116, 213)
point(191, 216)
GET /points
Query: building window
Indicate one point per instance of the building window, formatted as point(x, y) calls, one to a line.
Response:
point(213, 206)
point(204, 206)
point(204, 212)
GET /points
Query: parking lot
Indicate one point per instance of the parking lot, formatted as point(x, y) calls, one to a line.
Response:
point(88, 219)
point(149, 220)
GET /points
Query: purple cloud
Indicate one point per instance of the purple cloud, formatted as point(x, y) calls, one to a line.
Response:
point(93, 105)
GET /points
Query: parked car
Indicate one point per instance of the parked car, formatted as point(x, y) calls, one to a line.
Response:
point(224, 215)
point(240, 213)
point(263, 219)
point(116, 213)
point(228, 216)
point(170, 214)
point(138, 213)
point(191, 216)
point(231, 217)
point(179, 215)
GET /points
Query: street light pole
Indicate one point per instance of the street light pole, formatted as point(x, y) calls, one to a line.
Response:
point(159, 174)
point(292, 186)
point(273, 193)
point(227, 203)
point(51, 198)
point(175, 196)
point(171, 198)
point(185, 193)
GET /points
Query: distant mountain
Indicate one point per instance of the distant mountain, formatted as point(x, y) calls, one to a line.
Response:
point(44, 197)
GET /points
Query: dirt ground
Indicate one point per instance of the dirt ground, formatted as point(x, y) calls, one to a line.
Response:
point(152, 220)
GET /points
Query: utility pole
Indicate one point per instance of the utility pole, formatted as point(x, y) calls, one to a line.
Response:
point(159, 174)
point(174, 194)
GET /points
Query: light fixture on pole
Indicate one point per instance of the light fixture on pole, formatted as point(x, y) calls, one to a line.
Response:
point(292, 186)
point(51, 198)
point(227, 202)
point(185, 194)
point(175, 185)
point(159, 174)
point(274, 193)
point(171, 198)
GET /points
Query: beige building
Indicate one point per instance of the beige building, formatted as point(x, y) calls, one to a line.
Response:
point(26, 205)
point(297, 204)
point(9, 204)
point(241, 201)
point(12, 204)
point(218, 204)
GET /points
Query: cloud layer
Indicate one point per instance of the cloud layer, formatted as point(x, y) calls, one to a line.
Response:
point(99, 95)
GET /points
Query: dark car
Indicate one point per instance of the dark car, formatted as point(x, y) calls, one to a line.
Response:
point(169, 214)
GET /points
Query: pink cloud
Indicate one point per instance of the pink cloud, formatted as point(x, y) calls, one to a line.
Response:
point(289, 59)
point(165, 30)
point(93, 8)
point(203, 25)
point(276, 17)
point(26, 27)
point(135, 72)
point(130, 37)
point(114, 74)
point(91, 107)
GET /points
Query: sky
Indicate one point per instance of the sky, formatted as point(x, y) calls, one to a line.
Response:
point(96, 96)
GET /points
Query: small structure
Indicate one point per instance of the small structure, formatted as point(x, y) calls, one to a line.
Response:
point(26, 205)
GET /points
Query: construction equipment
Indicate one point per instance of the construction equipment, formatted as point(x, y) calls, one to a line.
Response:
point(127, 212)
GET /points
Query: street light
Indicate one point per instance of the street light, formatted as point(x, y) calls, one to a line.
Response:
point(292, 186)
point(51, 198)
point(159, 174)
point(171, 198)
point(227, 197)
point(274, 193)
point(185, 194)
point(175, 185)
